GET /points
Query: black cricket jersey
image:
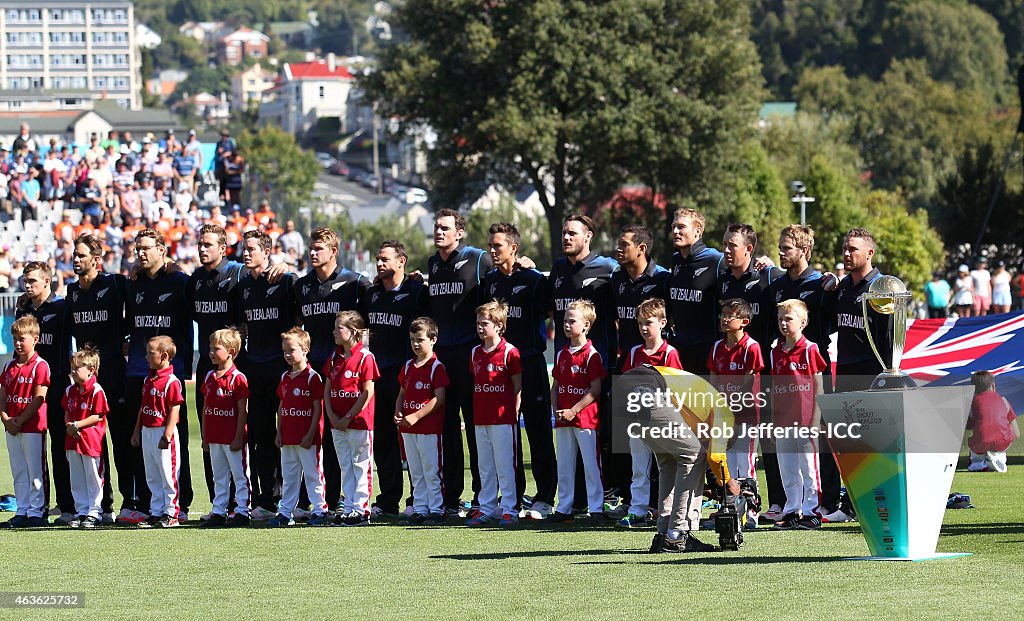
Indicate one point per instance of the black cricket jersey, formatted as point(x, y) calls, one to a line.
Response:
point(159, 307)
point(54, 344)
point(808, 287)
point(752, 287)
point(266, 310)
point(852, 345)
point(320, 302)
point(629, 294)
point(590, 278)
point(389, 314)
point(212, 298)
point(455, 290)
point(97, 319)
point(692, 296)
point(527, 292)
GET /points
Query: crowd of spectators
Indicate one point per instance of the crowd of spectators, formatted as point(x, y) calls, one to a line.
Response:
point(114, 187)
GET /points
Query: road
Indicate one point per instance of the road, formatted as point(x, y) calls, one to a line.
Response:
point(334, 191)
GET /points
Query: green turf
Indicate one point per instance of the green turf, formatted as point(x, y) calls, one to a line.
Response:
point(387, 571)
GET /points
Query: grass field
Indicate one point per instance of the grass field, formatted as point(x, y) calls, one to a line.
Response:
point(386, 571)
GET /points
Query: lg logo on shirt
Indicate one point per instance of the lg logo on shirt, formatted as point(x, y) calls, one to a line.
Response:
point(422, 386)
point(793, 366)
point(298, 392)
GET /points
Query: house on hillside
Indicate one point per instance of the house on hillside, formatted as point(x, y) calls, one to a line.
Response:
point(213, 110)
point(305, 93)
point(77, 126)
point(245, 42)
point(247, 86)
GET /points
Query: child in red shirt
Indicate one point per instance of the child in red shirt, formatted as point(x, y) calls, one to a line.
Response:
point(23, 388)
point(575, 392)
point(225, 414)
point(992, 423)
point(419, 415)
point(156, 431)
point(655, 351)
point(300, 426)
point(497, 386)
point(85, 420)
point(351, 371)
point(797, 368)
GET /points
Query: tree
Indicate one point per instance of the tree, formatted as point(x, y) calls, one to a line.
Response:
point(277, 169)
point(907, 246)
point(761, 200)
point(836, 210)
point(966, 193)
point(367, 236)
point(203, 79)
point(576, 97)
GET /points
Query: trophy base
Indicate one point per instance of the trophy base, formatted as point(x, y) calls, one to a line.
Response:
point(893, 381)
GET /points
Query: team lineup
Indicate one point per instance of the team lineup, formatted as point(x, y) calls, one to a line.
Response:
point(462, 350)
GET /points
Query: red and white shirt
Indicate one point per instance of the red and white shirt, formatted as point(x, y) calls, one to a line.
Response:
point(81, 402)
point(420, 384)
point(574, 371)
point(20, 382)
point(346, 376)
point(494, 400)
point(298, 393)
point(665, 356)
point(990, 422)
point(728, 365)
point(160, 392)
point(220, 405)
point(793, 388)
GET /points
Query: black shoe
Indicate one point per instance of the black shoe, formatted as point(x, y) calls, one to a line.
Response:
point(416, 519)
point(668, 545)
point(560, 518)
point(656, 543)
point(811, 522)
point(434, 519)
point(216, 520)
point(692, 544)
point(789, 522)
point(238, 521)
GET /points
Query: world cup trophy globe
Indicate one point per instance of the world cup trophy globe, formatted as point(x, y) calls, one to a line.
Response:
point(887, 295)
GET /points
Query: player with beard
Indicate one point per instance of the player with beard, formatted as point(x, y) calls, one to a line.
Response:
point(456, 288)
point(96, 303)
point(637, 279)
point(527, 293)
point(158, 306)
point(54, 347)
point(691, 298)
point(324, 292)
point(584, 274)
point(267, 309)
point(395, 300)
point(742, 279)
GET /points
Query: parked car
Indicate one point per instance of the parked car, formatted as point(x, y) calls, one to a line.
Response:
point(339, 168)
point(415, 196)
point(356, 174)
point(326, 159)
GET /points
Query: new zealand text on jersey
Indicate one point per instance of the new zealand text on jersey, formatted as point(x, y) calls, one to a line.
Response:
point(846, 320)
point(262, 314)
point(152, 321)
point(686, 295)
point(321, 308)
point(211, 306)
point(385, 319)
point(447, 288)
point(90, 316)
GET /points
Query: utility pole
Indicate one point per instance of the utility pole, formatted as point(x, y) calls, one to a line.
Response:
point(798, 189)
point(376, 152)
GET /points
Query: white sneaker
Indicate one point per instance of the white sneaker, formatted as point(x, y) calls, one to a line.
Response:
point(130, 516)
point(538, 511)
point(618, 512)
point(259, 513)
point(301, 514)
point(774, 513)
point(837, 516)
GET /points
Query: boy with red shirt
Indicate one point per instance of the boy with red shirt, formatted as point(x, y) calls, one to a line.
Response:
point(735, 363)
point(351, 371)
point(993, 425)
point(575, 391)
point(797, 368)
point(85, 420)
point(156, 431)
point(497, 386)
point(655, 351)
point(23, 399)
point(299, 429)
point(419, 414)
point(225, 413)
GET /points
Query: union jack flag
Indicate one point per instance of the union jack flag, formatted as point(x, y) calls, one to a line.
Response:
point(946, 351)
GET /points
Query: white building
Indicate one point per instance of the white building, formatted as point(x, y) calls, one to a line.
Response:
point(146, 37)
point(71, 45)
point(247, 86)
point(305, 92)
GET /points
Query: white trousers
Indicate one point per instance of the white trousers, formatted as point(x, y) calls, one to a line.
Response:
point(798, 465)
point(162, 468)
point(27, 452)
point(742, 457)
point(496, 459)
point(568, 441)
point(86, 483)
point(424, 454)
point(640, 488)
point(355, 458)
point(993, 460)
point(228, 465)
point(299, 463)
